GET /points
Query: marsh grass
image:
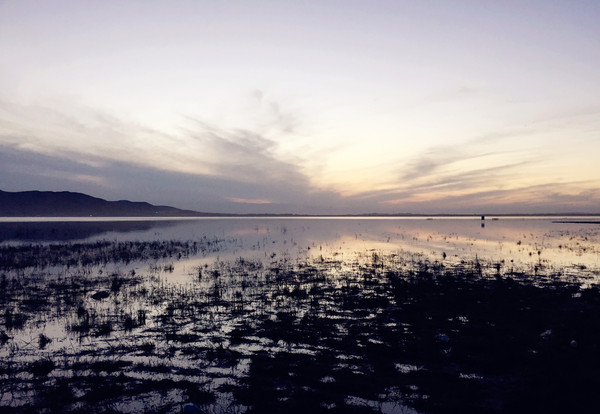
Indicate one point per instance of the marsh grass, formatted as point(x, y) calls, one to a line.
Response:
point(369, 332)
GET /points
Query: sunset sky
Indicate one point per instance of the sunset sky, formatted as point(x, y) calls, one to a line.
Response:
point(322, 107)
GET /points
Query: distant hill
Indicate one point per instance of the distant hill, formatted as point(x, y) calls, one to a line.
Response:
point(69, 204)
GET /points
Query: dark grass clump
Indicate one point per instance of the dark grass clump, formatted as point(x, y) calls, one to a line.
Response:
point(42, 367)
point(101, 252)
point(43, 340)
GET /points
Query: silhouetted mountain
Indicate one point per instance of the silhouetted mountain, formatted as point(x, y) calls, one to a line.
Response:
point(69, 204)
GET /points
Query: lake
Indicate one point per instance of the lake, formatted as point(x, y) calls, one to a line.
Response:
point(390, 315)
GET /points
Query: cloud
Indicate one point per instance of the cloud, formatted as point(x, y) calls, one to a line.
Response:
point(574, 197)
point(246, 156)
point(496, 176)
point(477, 151)
point(24, 169)
point(444, 170)
point(214, 167)
point(96, 138)
point(514, 170)
point(249, 200)
point(194, 146)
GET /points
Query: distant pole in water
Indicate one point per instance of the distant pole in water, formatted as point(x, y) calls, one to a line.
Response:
point(482, 217)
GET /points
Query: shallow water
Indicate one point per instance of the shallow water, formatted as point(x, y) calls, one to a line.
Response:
point(330, 315)
point(522, 240)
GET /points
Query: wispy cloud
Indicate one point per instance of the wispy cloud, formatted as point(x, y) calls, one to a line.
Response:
point(249, 200)
point(96, 138)
point(435, 159)
point(474, 181)
point(512, 170)
point(545, 198)
point(244, 155)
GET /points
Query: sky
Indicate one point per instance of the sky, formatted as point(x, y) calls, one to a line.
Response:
point(318, 107)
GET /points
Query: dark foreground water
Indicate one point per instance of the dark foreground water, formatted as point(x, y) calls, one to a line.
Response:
point(300, 315)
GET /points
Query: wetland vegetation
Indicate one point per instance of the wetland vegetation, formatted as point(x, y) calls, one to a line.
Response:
point(284, 316)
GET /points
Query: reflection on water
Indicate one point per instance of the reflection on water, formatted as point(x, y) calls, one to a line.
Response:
point(514, 242)
point(277, 315)
point(49, 231)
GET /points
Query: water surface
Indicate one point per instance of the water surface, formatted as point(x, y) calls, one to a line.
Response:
point(299, 314)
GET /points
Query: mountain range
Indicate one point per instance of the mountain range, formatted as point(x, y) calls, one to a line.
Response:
point(70, 204)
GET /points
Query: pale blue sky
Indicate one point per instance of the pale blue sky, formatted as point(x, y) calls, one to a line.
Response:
point(305, 107)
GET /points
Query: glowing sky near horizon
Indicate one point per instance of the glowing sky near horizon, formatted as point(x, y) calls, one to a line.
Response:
point(305, 107)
